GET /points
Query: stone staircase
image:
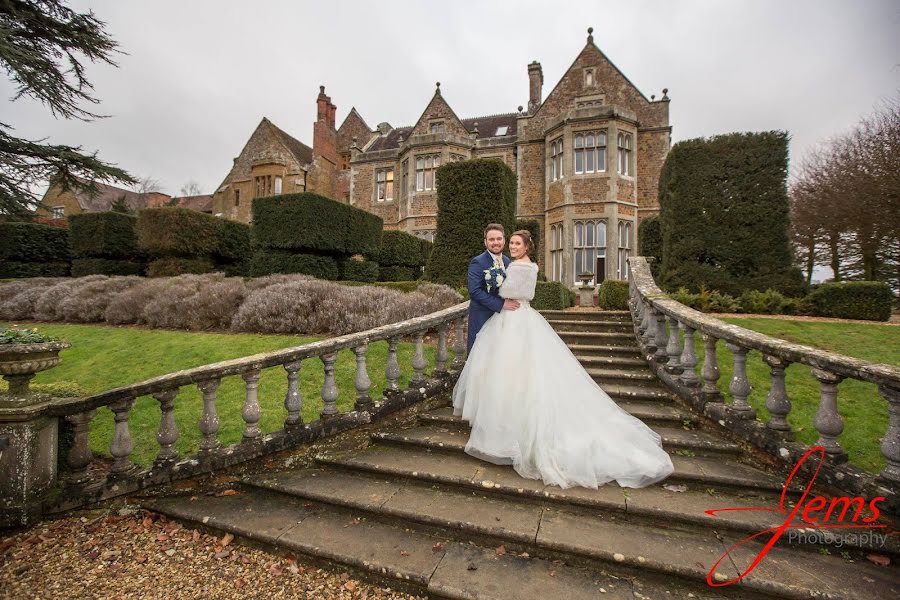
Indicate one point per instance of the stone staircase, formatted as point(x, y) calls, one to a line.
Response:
point(412, 509)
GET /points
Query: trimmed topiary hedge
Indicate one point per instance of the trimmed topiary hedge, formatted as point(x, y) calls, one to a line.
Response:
point(175, 231)
point(312, 223)
point(613, 295)
point(33, 243)
point(650, 242)
point(104, 235)
point(552, 295)
point(471, 194)
point(358, 270)
point(392, 273)
point(234, 243)
point(171, 266)
point(400, 249)
point(105, 266)
point(868, 300)
point(724, 215)
point(12, 269)
point(267, 262)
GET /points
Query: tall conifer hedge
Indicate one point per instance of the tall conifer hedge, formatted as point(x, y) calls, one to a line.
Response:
point(471, 194)
point(33, 250)
point(105, 243)
point(724, 215)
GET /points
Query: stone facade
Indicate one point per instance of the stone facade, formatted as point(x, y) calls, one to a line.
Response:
point(60, 204)
point(587, 158)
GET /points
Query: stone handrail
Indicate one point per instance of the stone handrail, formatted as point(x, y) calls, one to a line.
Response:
point(24, 423)
point(674, 360)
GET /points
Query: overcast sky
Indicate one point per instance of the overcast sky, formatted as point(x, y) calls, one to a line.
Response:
point(198, 76)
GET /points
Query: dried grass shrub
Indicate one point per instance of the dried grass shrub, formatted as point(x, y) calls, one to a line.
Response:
point(88, 303)
point(127, 307)
point(214, 306)
point(168, 308)
point(19, 298)
point(276, 308)
point(47, 306)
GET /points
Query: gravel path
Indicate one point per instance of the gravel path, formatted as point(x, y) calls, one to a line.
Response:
point(138, 554)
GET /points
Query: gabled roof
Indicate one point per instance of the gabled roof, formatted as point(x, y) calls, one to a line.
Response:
point(436, 105)
point(487, 128)
point(201, 203)
point(107, 194)
point(301, 151)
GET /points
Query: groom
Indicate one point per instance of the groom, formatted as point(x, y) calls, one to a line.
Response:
point(485, 303)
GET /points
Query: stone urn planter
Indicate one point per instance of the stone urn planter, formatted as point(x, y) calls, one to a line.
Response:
point(586, 291)
point(19, 363)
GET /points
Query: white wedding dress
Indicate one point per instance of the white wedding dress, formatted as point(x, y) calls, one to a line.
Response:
point(531, 404)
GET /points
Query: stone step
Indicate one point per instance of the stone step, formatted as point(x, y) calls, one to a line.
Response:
point(606, 350)
point(421, 561)
point(620, 392)
point(512, 519)
point(587, 315)
point(599, 326)
point(455, 438)
point(623, 363)
point(650, 412)
point(598, 338)
point(643, 379)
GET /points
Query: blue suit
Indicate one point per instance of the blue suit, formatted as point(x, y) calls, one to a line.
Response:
point(483, 303)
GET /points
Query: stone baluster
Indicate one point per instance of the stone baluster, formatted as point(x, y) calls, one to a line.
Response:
point(828, 421)
point(890, 443)
point(122, 445)
point(79, 457)
point(688, 358)
point(329, 388)
point(251, 412)
point(649, 337)
point(740, 385)
point(392, 372)
point(418, 362)
point(167, 435)
point(440, 367)
point(362, 382)
point(209, 421)
point(777, 402)
point(293, 399)
point(662, 339)
point(710, 370)
point(673, 348)
point(459, 344)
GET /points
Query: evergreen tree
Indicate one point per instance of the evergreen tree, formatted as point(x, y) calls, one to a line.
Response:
point(42, 48)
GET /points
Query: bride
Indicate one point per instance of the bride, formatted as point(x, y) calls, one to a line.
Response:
point(531, 404)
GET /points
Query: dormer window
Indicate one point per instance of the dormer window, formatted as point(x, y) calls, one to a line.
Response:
point(437, 127)
point(502, 130)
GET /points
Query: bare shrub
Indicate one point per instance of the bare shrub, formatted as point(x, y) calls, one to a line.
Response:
point(20, 297)
point(439, 296)
point(47, 306)
point(128, 306)
point(88, 303)
point(277, 308)
point(11, 289)
point(257, 283)
point(214, 306)
point(167, 308)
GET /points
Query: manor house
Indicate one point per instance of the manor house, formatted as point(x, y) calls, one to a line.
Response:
point(587, 157)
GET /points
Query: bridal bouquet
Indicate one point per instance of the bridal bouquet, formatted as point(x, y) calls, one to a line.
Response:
point(494, 278)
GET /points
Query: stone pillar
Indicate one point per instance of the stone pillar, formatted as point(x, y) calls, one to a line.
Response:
point(28, 447)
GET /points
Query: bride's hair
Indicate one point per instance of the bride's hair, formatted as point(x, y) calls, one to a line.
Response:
point(526, 239)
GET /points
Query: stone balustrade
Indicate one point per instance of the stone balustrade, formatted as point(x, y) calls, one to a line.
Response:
point(34, 491)
point(675, 364)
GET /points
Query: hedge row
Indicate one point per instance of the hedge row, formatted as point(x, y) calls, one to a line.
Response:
point(613, 295)
point(33, 243)
point(863, 300)
point(552, 295)
point(352, 269)
point(108, 235)
point(269, 262)
point(471, 194)
point(312, 223)
point(105, 266)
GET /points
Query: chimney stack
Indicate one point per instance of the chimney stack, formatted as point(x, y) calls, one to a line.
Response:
point(535, 84)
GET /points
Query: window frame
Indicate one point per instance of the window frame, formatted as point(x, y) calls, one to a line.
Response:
point(556, 159)
point(57, 212)
point(596, 151)
point(384, 184)
point(626, 237)
point(595, 250)
point(624, 145)
point(426, 175)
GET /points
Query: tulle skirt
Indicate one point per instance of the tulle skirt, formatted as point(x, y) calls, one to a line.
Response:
point(532, 405)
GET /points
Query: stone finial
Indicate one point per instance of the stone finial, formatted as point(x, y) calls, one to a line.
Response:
point(321, 89)
point(437, 90)
point(590, 35)
point(652, 97)
point(665, 94)
point(400, 139)
point(475, 130)
point(521, 108)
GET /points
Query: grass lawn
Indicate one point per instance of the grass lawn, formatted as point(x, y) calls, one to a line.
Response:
point(864, 410)
point(102, 358)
